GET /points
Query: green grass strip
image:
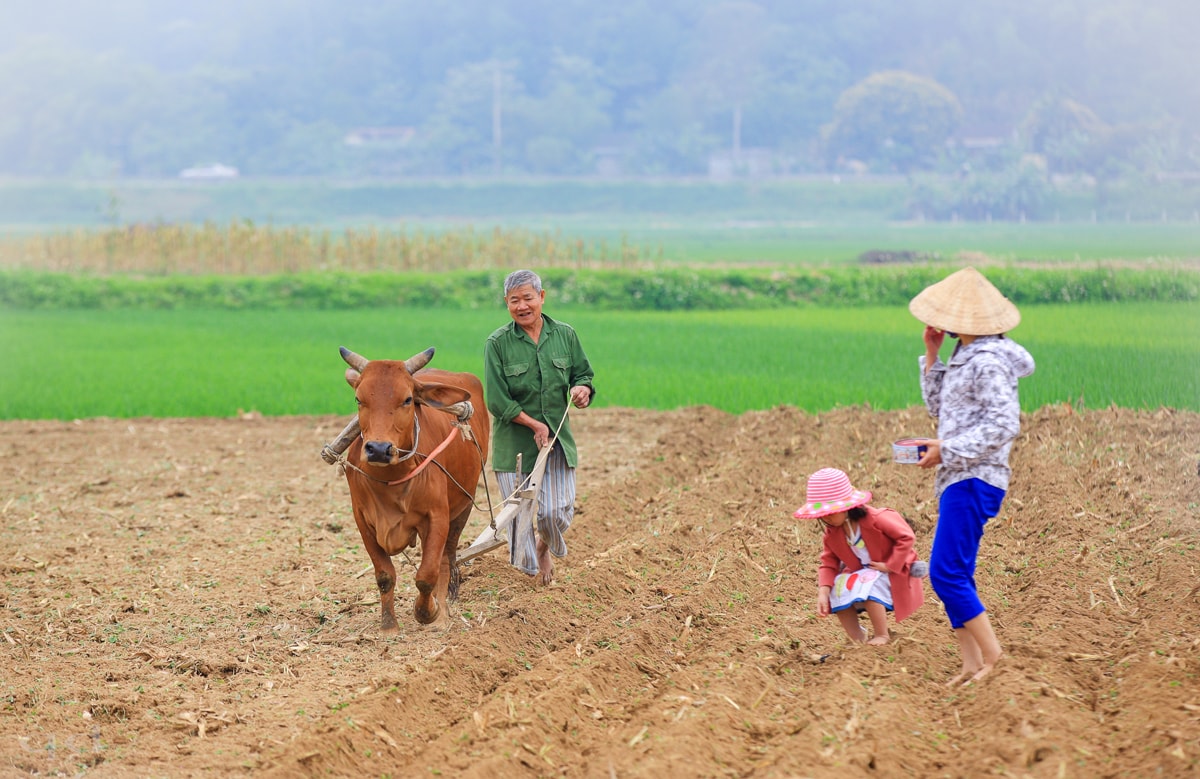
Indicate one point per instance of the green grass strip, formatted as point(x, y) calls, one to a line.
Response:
point(668, 289)
point(59, 364)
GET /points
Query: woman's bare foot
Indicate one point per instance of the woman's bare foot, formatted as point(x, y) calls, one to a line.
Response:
point(878, 640)
point(962, 678)
point(982, 672)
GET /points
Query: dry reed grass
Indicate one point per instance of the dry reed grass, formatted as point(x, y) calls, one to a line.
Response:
point(243, 248)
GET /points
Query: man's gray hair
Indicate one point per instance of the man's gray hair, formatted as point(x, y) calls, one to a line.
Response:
point(519, 278)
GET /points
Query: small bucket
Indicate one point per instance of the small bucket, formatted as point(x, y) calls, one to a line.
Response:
point(907, 451)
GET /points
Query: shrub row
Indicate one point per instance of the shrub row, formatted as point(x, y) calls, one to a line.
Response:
point(662, 290)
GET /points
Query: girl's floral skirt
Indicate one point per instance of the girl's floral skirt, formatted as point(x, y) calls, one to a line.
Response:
point(855, 588)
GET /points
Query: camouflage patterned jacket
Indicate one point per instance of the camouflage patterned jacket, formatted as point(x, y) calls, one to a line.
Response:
point(974, 400)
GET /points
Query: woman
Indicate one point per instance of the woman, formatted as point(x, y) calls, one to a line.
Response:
point(974, 398)
point(532, 367)
point(861, 544)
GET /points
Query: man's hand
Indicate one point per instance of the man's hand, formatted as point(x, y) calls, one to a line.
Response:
point(541, 433)
point(581, 396)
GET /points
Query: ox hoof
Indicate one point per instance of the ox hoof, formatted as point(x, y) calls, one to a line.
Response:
point(427, 615)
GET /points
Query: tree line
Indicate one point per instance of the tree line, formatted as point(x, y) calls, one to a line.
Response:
point(1102, 88)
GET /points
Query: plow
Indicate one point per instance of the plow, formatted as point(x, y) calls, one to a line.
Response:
point(519, 507)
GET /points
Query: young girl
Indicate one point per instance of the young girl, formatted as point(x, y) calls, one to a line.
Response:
point(867, 563)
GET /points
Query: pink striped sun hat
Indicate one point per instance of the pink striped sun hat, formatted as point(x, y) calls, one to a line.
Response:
point(829, 492)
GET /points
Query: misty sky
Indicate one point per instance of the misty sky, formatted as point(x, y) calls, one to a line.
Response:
point(144, 86)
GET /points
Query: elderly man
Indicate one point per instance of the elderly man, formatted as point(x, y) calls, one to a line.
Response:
point(532, 366)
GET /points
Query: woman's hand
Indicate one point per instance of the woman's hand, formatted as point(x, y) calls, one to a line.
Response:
point(934, 339)
point(823, 602)
point(933, 452)
point(581, 396)
point(933, 344)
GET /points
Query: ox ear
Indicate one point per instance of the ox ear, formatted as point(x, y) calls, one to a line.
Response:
point(355, 361)
point(419, 360)
point(352, 377)
point(440, 395)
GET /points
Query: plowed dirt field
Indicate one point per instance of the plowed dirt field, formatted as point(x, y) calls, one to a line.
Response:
point(189, 598)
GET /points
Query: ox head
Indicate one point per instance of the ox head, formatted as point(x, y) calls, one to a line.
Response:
point(388, 393)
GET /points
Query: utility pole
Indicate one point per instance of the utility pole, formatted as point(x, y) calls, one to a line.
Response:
point(497, 133)
point(737, 134)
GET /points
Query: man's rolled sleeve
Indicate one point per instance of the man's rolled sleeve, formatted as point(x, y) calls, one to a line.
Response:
point(499, 402)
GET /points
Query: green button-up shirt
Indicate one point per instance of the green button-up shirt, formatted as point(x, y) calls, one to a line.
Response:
point(520, 375)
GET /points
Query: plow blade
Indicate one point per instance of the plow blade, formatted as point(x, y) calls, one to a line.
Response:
point(521, 506)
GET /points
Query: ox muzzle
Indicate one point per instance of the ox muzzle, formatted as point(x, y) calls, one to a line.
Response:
point(379, 452)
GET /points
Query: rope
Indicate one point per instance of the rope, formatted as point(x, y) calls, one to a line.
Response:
point(524, 485)
point(463, 412)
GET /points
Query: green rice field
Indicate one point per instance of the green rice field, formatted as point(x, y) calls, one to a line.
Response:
point(65, 364)
point(163, 300)
point(791, 243)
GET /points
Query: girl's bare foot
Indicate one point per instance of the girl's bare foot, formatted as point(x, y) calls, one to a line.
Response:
point(879, 640)
point(962, 678)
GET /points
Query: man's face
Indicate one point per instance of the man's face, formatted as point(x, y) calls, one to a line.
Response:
point(525, 305)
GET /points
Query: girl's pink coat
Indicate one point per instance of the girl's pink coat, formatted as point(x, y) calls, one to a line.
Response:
point(888, 539)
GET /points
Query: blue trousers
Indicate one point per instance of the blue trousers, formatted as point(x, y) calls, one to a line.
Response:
point(964, 508)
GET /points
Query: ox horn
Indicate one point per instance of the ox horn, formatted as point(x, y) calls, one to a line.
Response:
point(355, 361)
point(419, 360)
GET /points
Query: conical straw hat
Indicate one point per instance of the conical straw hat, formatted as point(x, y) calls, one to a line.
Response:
point(965, 302)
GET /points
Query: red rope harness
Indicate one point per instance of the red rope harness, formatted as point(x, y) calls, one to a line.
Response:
point(428, 459)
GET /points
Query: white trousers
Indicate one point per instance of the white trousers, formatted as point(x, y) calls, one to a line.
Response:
point(556, 509)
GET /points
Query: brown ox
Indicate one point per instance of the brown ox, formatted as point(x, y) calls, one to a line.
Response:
point(400, 488)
